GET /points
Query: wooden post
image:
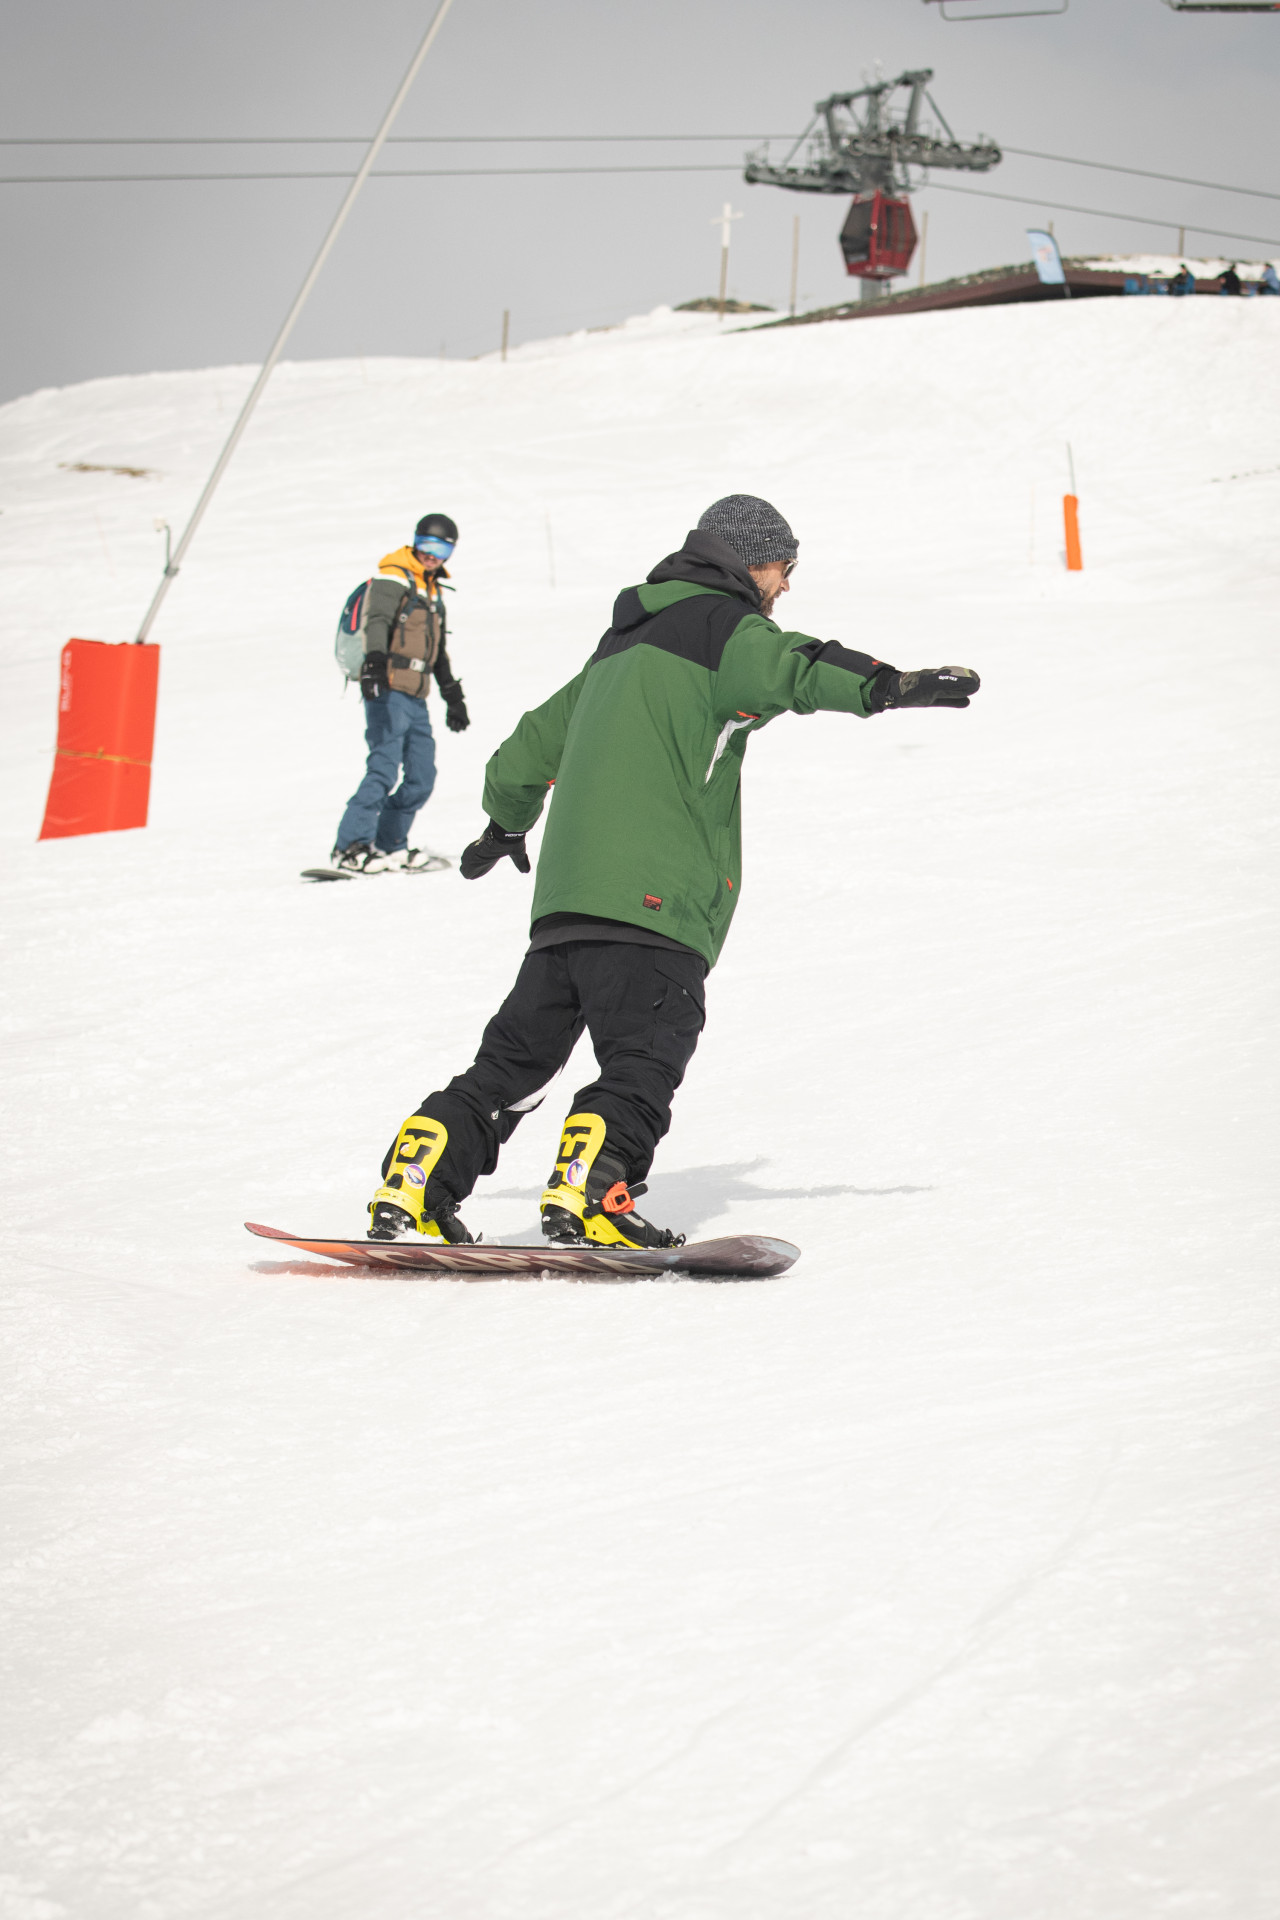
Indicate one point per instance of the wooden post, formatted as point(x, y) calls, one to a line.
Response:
point(795, 262)
point(506, 330)
point(723, 221)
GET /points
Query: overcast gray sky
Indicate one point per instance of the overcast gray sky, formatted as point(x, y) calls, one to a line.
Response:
point(105, 279)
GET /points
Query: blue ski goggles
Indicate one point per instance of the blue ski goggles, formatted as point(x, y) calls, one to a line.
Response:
point(432, 544)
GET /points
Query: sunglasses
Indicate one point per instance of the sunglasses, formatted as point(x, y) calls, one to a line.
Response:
point(789, 569)
point(438, 549)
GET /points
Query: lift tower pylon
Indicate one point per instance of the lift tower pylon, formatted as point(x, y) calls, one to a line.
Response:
point(865, 144)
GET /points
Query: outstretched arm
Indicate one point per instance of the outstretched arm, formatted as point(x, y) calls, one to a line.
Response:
point(768, 672)
point(765, 671)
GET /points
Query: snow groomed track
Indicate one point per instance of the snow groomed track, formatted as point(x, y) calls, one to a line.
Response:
point(934, 1582)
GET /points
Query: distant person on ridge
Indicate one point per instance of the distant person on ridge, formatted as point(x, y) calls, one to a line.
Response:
point(1270, 282)
point(398, 618)
point(638, 875)
point(1230, 281)
point(1183, 281)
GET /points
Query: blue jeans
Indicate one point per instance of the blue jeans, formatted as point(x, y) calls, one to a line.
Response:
point(398, 729)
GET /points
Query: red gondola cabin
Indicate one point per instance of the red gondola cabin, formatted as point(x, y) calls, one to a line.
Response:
point(878, 238)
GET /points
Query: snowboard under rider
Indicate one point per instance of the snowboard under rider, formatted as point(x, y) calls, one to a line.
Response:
point(404, 625)
point(638, 874)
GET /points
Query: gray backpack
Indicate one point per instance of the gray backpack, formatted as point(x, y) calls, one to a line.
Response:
point(349, 644)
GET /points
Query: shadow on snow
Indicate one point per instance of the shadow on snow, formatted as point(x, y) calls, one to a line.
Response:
point(685, 1198)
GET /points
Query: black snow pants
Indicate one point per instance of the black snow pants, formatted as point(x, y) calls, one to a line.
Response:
point(644, 1008)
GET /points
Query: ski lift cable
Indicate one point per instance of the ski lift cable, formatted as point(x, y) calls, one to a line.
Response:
point(381, 173)
point(1103, 213)
point(359, 139)
point(1144, 173)
point(710, 166)
point(523, 139)
point(516, 173)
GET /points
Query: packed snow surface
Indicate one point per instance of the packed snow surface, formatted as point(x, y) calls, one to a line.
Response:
point(933, 1581)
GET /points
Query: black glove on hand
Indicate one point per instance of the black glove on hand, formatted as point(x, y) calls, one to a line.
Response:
point(925, 687)
point(494, 844)
point(456, 717)
point(373, 676)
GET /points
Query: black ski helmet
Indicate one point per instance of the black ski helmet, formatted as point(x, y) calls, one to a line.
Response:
point(436, 526)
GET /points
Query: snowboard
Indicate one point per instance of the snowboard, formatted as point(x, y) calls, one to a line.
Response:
point(745, 1256)
point(430, 863)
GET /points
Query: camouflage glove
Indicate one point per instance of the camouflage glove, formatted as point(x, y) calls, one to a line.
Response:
point(924, 687)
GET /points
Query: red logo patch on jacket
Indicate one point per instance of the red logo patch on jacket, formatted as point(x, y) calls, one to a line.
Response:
point(653, 901)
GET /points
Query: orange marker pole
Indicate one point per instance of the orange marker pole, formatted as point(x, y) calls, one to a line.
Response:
point(1071, 521)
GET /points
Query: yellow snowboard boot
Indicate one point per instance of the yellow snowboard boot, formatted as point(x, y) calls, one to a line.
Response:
point(587, 1196)
point(408, 1201)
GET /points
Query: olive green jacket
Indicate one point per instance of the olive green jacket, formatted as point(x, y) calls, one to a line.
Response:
point(642, 751)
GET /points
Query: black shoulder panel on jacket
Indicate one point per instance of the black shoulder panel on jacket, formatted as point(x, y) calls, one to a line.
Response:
point(832, 654)
point(629, 610)
point(697, 629)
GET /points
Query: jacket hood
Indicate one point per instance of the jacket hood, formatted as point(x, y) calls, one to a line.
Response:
point(405, 560)
point(705, 560)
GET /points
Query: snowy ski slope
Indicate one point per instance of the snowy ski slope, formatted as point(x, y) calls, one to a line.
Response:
point(935, 1581)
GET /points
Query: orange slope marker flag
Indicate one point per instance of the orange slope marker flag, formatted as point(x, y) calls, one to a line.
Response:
point(106, 725)
point(1071, 524)
point(1071, 519)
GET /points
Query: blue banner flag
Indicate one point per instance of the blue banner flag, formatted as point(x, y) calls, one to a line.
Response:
point(1048, 261)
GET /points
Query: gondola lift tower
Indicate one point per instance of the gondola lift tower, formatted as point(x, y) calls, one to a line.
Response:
point(878, 148)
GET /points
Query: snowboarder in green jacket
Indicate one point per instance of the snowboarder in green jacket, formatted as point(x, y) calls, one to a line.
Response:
point(638, 875)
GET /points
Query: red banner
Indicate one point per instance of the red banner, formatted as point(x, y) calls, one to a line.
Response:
point(106, 724)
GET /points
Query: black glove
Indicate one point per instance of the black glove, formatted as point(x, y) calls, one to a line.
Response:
point(494, 844)
point(373, 676)
point(925, 687)
point(456, 717)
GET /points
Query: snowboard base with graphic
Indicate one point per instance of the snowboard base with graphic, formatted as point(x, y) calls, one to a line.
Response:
point(744, 1256)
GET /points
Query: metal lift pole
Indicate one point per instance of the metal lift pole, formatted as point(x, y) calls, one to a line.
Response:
point(233, 439)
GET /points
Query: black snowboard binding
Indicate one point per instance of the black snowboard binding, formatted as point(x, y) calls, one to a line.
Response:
point(440, 1222)
point(410, 1201)
point(608, 1217)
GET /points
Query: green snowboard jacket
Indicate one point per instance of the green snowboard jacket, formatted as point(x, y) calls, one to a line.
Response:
point(643, 750)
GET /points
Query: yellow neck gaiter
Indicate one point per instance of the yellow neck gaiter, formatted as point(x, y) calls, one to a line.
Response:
point(405, 560)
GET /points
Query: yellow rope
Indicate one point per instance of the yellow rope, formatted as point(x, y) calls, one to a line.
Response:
point(120, 759)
